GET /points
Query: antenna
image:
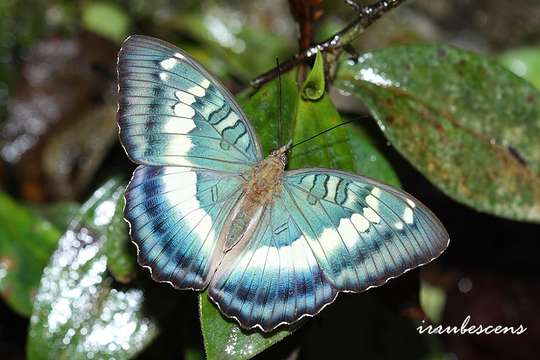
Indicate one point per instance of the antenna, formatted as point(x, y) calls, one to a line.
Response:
point(280, 132)
point(323, 132)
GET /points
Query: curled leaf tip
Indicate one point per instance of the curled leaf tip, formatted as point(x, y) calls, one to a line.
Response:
point(314, 86)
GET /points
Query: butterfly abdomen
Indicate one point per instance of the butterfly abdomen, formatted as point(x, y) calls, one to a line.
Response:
point(259, 191)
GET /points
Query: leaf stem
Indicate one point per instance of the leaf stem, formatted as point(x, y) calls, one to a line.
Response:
point(305, 14)
point(367, 15)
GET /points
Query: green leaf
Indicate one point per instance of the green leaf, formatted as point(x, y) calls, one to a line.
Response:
point(347, 147)
point(314, 86)
point(469, 125)
point(432, 301)
point(106, 19)
point(26, 243)
point(224, 339)
point(367, 158)
point(331, 149)
point(523, 62)
point(77, 313)
point(120, 259)
point(262, 107)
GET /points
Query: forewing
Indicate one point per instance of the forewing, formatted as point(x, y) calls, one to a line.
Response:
point(362, 232)
point(175, 216)
point(173, 112)
point(273, 278)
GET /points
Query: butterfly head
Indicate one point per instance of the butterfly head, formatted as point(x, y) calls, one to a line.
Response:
point(282, 153)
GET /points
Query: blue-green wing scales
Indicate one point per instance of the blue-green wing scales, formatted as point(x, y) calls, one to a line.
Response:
point(362, 232)
point(272, 279)
point(176, 215)
point(325, 232)
point(172, 112)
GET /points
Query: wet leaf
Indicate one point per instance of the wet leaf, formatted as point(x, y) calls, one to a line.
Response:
point(262, 109)
point(224, 339)
point(331, 149)
point(523, 62)
point(470, 126)
point(77, 313)
point(106, 19)
point(26, 243)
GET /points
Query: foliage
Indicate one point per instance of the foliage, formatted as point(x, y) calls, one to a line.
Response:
point(467, 124)
point(524, 62)
point(78, 313)
point(26, 242)
point(107, 20)
point(438, 105)
point(224, 338)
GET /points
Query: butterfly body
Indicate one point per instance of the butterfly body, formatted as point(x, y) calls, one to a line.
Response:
point(264, 180)
point(208, 212)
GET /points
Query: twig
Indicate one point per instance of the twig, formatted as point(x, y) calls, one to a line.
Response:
point(305, 15)
point(367, 15)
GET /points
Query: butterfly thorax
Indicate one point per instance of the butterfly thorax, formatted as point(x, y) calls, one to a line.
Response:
point(263, 181)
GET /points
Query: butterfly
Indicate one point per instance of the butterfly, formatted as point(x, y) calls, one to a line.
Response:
point(207, 211)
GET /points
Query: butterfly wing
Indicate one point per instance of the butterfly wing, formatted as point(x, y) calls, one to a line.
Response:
point(191, 139)
point(173, 112)
point(175, 216)
point(326, 232)
point(272, 279)
point(362, 232)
